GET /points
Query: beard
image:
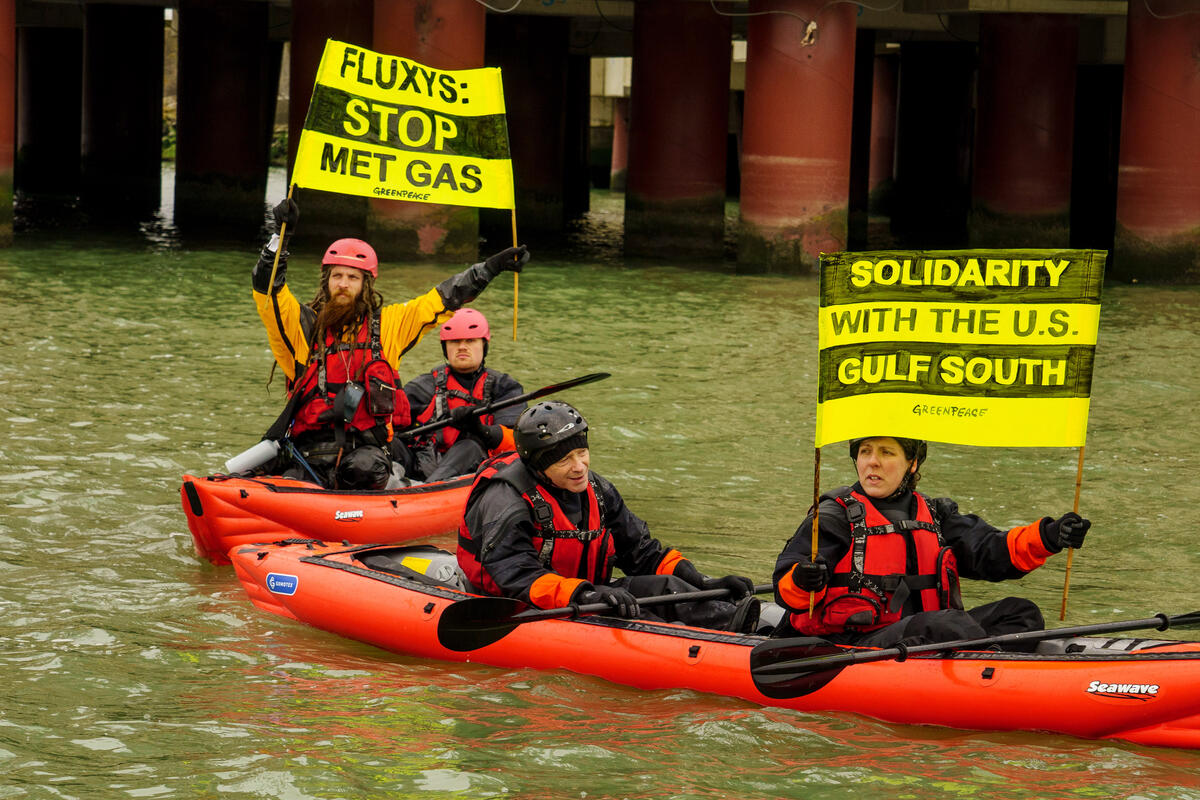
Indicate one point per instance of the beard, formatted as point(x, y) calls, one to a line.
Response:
point(339, 314)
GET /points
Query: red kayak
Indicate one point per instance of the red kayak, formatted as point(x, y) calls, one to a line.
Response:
point(404, 599)
point(223, 512)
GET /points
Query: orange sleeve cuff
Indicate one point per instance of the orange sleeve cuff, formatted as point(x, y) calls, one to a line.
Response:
point(1026, 549)
point(668, 563)
point(507, 443)
point(793, 596)
point(553, 591)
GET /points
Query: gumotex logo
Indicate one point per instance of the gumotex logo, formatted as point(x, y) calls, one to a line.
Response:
point(352, 516)
point(1124, 691)
point(282, 584)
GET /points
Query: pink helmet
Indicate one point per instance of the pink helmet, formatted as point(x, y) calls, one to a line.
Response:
point(467, 323)
point(352, 253)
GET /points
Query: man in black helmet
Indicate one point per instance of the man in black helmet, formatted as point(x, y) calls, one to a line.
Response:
point(889, 559)
point(540, 526)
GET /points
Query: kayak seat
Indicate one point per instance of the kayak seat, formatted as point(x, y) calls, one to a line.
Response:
point(1095, 645)
point(422, 563)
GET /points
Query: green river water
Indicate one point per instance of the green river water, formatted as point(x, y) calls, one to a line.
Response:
point(132, 669)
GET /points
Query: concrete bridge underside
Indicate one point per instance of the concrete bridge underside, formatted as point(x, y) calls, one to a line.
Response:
point(938, 123)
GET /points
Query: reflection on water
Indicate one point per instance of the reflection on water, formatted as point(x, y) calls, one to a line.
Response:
point(134, 670)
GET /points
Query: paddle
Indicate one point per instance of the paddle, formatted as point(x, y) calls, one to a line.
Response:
point(479, 621)
point(795, 667)
point(499, 404)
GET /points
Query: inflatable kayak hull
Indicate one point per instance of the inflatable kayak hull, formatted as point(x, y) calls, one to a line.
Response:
point(224, 512)
point(1143, 691)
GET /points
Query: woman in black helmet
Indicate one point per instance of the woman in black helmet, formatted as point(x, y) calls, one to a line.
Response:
point(889, 559)
point(540, 526)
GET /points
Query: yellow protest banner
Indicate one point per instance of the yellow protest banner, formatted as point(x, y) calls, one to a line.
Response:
point(977, 347)
point(385, 126)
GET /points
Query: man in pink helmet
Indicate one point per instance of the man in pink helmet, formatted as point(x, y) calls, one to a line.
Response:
point(341, 352)
point(451, 390)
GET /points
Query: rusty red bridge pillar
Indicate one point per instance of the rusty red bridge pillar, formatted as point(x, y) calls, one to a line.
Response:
point(1021, 195)
point(796, 145)
point(441, 34)
point(1158, 190)
point(679, 115)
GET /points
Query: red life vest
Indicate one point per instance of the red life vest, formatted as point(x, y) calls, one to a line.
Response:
point(449, 393)
point(382, 408)
point(870, 584)
point(572, 552)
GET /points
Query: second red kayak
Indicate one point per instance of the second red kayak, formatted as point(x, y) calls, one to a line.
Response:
point(224, 512)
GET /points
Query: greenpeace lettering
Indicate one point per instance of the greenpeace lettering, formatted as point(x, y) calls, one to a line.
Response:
point(384, 126)
point(984, 347)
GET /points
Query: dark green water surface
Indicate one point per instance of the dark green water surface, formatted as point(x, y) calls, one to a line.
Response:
point(131, 669)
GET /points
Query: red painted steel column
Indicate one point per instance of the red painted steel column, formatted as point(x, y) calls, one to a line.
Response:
point(1158, 190)
point(221, 169)
point(443, 34)
point(325, 216)
point(1026, 120)
point(796, 145)
point(620, 145)
point(121, 151)
point(679, 116)
point(882, 169)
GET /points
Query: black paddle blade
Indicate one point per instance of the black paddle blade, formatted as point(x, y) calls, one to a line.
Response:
point(477, 622)
point(776, 677)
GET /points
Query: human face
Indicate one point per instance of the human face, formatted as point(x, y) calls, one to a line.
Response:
point(464, 355)
point(571, 471)
point(345, 282)
point(881, 466)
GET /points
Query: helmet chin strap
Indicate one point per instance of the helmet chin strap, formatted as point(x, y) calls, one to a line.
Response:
point(905, 483)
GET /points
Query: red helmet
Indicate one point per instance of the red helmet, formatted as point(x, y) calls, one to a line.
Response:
point(352, 253)
point(467, 323)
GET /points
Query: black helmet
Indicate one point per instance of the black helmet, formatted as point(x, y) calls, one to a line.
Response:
point(914, 449)
point(547, 431)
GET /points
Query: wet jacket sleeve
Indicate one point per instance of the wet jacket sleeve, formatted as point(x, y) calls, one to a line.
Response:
point(458, 290)
point(833, 543)
point(283, 317)
point(501, 522)
point(401, 325)
point(987, 553)
point(638, 553)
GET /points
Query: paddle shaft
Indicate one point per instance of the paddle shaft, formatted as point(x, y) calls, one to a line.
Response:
point(801, 666)
point(499, 404)
point(534, 614)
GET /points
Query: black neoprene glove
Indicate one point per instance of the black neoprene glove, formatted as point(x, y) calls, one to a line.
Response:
point(462, 418)
point(1066, 531)
point(811, 576)
point(738, 586)
point(287, 211)
point(512, 259)
point(623, 602)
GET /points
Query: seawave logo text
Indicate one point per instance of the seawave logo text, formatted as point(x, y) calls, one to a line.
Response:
point(282, 584)
point(1124, 691)
point(351, 516)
